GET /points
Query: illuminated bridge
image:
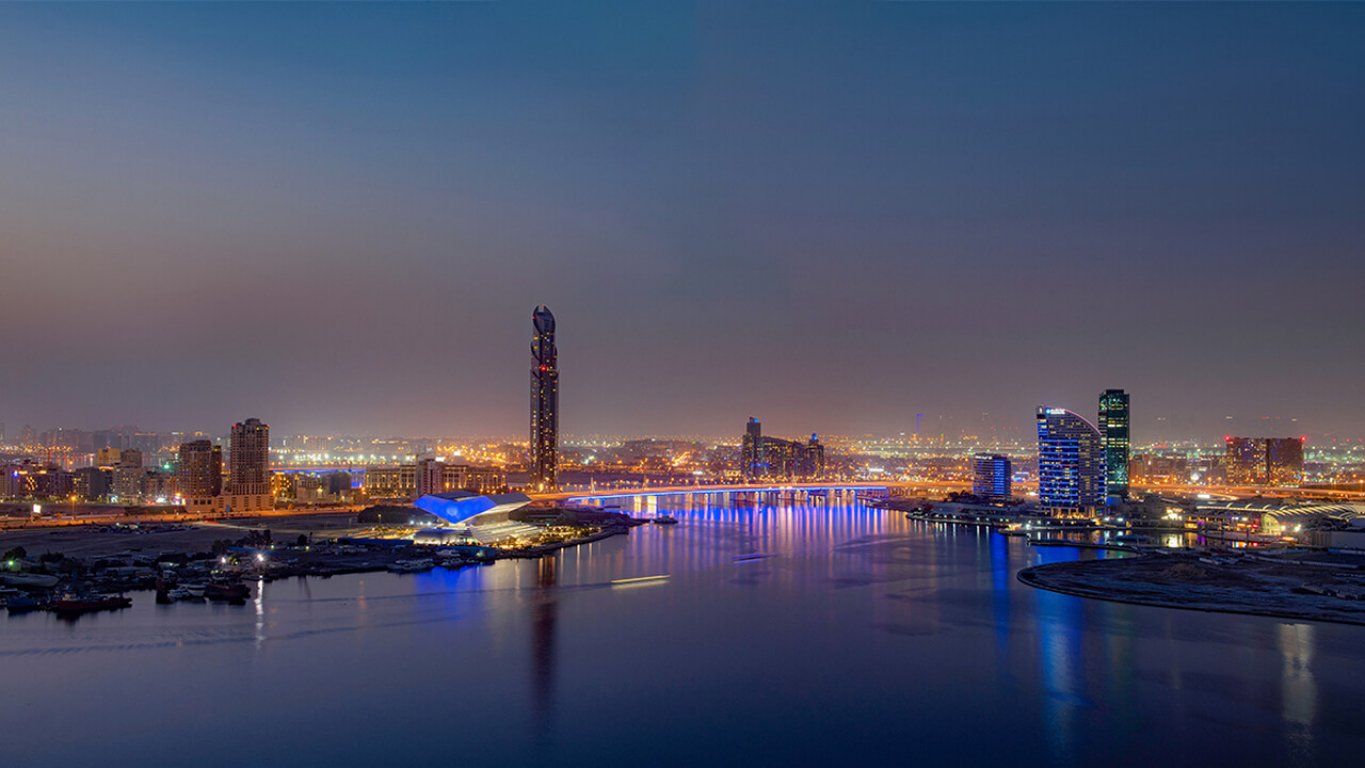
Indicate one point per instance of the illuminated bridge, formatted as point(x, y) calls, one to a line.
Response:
point(758, 493)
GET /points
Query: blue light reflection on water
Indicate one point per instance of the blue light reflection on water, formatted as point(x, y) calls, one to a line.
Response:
point(782, 634)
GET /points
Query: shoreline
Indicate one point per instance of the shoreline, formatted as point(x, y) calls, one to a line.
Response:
point(1266, 590)
point(166, 555)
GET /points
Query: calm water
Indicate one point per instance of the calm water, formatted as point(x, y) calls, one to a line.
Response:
point(863, 637)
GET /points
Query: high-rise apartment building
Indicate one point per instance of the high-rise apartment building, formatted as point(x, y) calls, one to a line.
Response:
point(812, 463)
point(200, 471)
point(1070, 463)
point(991, 474)
point(1113, 424)
point(430, 476)
point(92, 483)
point(249, 459)
point(544, 401)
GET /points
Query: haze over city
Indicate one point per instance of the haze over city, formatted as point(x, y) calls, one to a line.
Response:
point(682, 383)
point(833, 216)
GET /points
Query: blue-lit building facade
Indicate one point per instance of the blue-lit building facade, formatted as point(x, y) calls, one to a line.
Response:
point(1113, 424)
point(1071, 466)
point(991, 476)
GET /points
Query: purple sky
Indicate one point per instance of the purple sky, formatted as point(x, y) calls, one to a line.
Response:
point(832, 216)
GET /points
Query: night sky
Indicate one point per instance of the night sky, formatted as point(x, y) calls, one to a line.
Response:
point(833, 216)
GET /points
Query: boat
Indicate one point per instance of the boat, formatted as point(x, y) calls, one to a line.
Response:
point(665, 520)
point(233, 592)
point(74, 604)
point(24, 604)
point(28, 580)
point(639, 580)
point(412, 566)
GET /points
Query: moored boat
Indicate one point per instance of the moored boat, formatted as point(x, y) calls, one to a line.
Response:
point(74, 604)
point(24, 604)
point(227, 590)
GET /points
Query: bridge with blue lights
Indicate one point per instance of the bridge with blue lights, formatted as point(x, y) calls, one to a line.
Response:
point(758, 493)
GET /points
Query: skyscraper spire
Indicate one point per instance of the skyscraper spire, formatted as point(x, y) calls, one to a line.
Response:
point(544, 401)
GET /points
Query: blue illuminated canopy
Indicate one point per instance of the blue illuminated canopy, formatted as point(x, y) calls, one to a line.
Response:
point(462, 506)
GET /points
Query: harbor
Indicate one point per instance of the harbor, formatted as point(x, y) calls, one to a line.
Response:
point(72, 571)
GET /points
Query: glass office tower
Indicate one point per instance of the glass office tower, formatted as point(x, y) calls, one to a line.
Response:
point(1113, 426)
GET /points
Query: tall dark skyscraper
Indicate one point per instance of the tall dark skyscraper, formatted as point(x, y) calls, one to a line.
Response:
point(751, 450)
point(1070, 463)
point(544, 401)
point(249, 460)
point(1113, 424)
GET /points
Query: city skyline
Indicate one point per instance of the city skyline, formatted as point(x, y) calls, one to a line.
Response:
point(927, 367)
point(944, 431)
point(885, 202)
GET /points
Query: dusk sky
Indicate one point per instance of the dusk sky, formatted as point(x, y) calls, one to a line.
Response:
point(828, 215)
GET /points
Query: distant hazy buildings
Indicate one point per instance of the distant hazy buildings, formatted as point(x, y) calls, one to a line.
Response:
point(544, 401)
point(1114, 420)
point(773, 458)
point(1264, 460)
point(1071, 470)
point(108, 457)
point(991, 474)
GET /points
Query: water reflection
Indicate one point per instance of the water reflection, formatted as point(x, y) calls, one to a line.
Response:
point(1299, 690)
point(1002, 577)
point(815, 633)
point(1062, 673)
point(259, 604)
point(546, 615)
